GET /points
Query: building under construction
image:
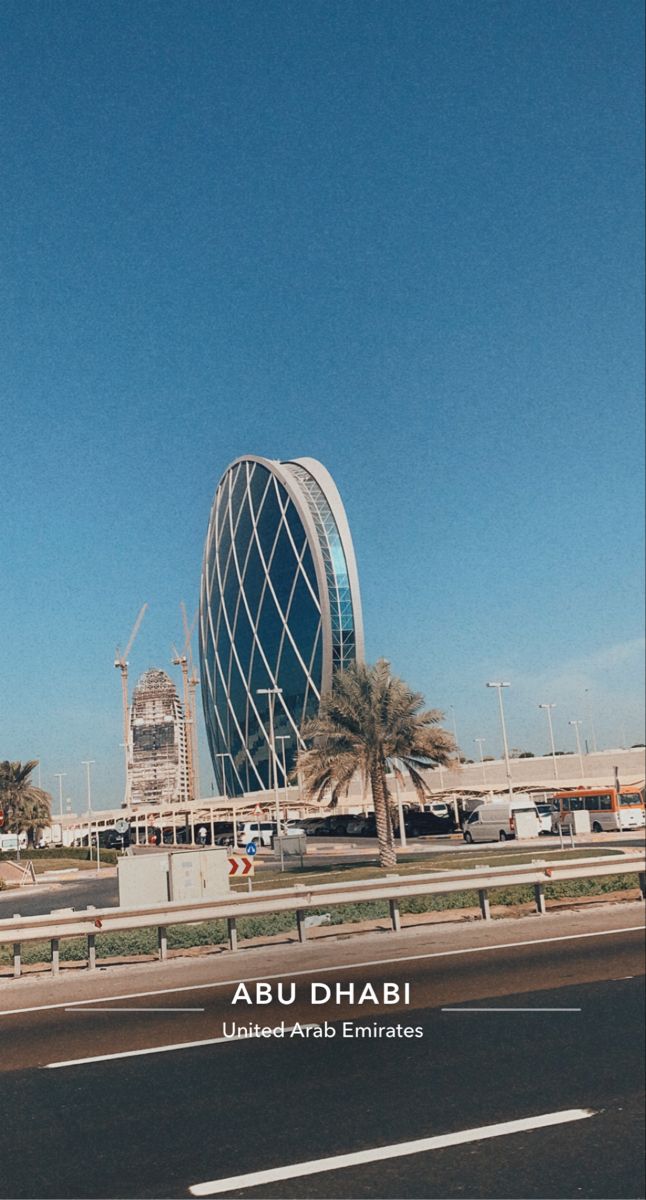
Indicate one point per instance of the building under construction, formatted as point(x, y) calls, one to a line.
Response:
point(157, 763)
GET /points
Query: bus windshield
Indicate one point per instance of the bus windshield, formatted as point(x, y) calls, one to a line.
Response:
point(630, 798)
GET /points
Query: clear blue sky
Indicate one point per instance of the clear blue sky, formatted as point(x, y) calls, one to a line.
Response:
point(403, 238)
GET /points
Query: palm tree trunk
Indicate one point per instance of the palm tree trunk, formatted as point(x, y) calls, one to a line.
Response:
point(387, 852)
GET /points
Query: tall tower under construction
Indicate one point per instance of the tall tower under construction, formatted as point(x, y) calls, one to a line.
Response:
point(157, 764)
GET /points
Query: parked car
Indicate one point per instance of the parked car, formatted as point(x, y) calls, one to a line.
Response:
point(254, 831)
point(294, 828)
point(357, 825)
point(547, 814)
point(436, 818)
point(315, 826)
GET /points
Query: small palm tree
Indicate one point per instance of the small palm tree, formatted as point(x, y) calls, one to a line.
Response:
point(369, 721)
point(24, 805)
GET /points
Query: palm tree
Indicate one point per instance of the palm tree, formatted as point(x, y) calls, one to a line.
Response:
point(24, 805)
point(369, 721)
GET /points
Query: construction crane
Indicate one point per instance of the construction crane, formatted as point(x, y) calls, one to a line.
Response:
point(121, 662)
point(193, 682)
point(184, 660)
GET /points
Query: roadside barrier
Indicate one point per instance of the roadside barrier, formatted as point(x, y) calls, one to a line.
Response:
point(301, 898)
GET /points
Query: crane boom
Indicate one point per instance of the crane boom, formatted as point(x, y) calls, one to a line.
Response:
point(135, 631)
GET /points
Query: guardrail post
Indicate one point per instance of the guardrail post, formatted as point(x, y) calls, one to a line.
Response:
point(395, 916)
point(300, 921)
point(55, 956)
point(233, 933)
point(162, 942)
point(539, 893)
point(642, 884)
point(17, 962)
point(91, 951)
point(485, 908)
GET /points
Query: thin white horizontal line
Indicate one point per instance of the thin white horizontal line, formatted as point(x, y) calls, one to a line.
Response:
point(398, 1150)
point(79, 1062)
point(288, 974)
point(513, 1010)
point(134, 1009)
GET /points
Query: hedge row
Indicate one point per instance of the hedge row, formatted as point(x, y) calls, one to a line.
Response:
point(79, 852)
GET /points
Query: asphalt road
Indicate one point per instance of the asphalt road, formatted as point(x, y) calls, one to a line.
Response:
point(156, 1124)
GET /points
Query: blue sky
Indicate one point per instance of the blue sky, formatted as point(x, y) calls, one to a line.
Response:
point(404, 239)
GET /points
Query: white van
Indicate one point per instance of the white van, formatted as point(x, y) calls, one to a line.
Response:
point(9, 841)
point(497, 821)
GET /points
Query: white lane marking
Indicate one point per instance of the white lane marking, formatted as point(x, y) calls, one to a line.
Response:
point(109, 1008)
point(399, 1150)
point(513, 1010)
point(288, 974)
point(79, 1062)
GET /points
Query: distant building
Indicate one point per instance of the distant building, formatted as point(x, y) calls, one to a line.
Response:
point(157, 769)
point(279, 609)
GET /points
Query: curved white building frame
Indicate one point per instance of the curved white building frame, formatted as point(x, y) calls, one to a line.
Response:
point(280, 609)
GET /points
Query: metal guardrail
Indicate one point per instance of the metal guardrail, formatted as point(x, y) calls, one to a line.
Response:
point(300, 899)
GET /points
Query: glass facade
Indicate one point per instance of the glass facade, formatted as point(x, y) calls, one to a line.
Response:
point(279, 610)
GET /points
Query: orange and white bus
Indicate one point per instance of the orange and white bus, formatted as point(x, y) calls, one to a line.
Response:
point(609, 809)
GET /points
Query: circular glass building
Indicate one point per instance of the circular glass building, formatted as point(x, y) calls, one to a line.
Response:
point(279, 613)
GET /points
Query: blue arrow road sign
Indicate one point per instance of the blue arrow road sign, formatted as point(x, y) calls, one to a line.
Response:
point(251, 848)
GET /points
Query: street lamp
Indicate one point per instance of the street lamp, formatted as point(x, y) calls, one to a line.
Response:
point(499, 687)
point(548, 709)
point(271, 693)
point(87, 763)
point(284, 737)
point(60, 775)
point(225, 754)
point(481, 742)
point(578, 745)
point(455, 729)
point(400, 812)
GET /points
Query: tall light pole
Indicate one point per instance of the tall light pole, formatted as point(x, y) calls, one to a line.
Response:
point(593, 731)
point(400, 812)
point(60, 775)
point(499, 687)
point(282, 738)
point(481, 742)
point(578, 745)
point(271, 693)
point(87, 763)
point(455, 729)
point(225, 754)
point(548, 709)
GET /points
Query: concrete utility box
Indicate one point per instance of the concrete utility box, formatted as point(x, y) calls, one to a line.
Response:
point(579, 821)
point(199, 874)
point(527, 823)
point(143, 880)
point(290, 843)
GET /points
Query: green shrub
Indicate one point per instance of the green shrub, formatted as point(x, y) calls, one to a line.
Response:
point(109, 857)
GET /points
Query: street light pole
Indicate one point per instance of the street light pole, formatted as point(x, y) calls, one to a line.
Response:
point(87, 763)
point(480, 742)
point(578, 745)
point(60, 775)
point(548, 709)
point(499, 687)
point(284, 737)
point(455, 730)
point(271, 693)
point(400, 811)
point(225, 754)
